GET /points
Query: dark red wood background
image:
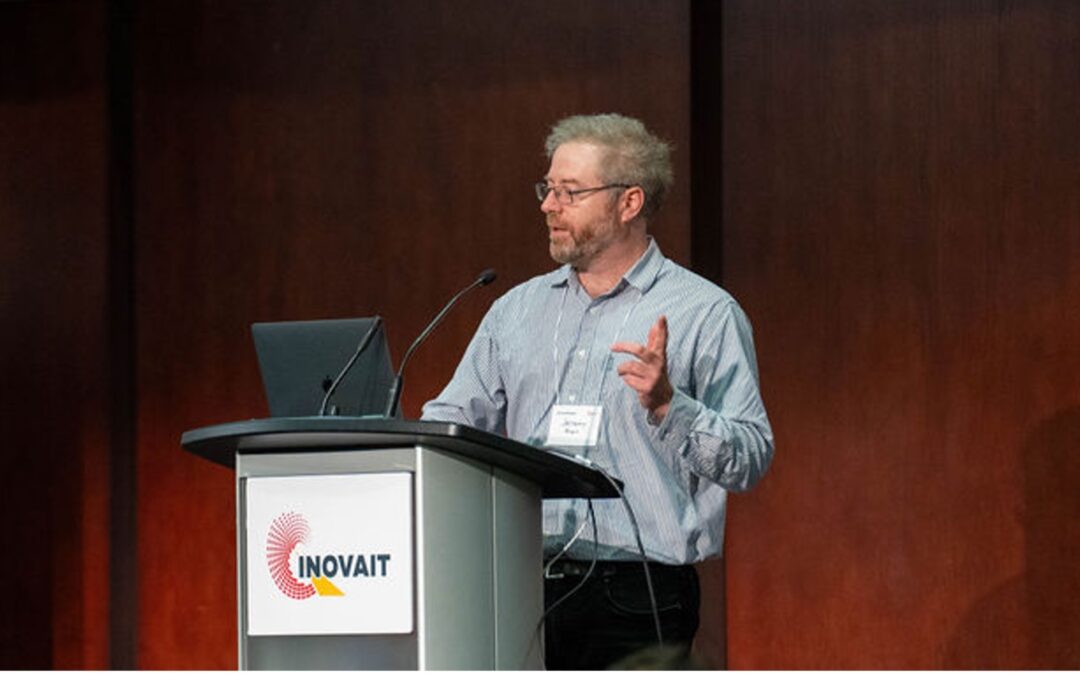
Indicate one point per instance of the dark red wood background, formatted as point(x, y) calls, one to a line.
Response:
point(889, 187)
point(54, 466)
point(902, 217)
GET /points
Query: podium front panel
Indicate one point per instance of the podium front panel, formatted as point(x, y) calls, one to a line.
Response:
point(476, 566)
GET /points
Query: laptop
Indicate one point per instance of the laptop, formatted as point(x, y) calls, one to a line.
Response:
point(299, 361)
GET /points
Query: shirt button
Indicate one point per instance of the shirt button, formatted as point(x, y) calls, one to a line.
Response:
point(581, 353)
point(572, 398)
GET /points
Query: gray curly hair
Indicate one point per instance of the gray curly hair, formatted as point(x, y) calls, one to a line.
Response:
point(634, 156)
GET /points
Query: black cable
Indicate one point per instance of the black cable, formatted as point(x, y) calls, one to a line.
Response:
point(577, 587)
point(364, 342)
point(641, 549)
point(637, 538)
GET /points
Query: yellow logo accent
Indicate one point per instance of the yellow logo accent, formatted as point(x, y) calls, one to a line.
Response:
point(325, 587)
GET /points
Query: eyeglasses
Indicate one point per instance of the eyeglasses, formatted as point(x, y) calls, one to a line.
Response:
point(565, 196)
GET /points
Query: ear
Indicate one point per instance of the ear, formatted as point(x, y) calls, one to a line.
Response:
point(631, 202)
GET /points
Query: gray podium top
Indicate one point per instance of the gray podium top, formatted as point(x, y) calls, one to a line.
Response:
point(558, 476)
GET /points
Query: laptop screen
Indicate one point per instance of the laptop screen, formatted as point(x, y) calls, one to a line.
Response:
point(300, 359)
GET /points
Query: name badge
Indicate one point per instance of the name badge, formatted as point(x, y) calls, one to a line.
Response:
point(574, 425)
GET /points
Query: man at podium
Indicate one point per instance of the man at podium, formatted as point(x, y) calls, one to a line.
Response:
point(639, 366)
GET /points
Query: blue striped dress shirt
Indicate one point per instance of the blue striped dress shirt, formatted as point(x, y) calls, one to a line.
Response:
point(547, 341)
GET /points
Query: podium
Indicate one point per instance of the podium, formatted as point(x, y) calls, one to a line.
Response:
point(430, 530)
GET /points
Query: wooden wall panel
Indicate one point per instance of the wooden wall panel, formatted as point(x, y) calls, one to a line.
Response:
point(53, 399)
point(901, 206)
point(320, 159)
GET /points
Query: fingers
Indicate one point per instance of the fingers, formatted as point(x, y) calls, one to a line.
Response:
point(632, 369)
point(661, 335)
point(655, 347)
point(632, 348)
point(647, 374)
point(657, 341)
point(641, 376)
point(632, 375)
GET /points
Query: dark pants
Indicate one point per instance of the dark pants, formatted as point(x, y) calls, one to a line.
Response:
point(610, 617)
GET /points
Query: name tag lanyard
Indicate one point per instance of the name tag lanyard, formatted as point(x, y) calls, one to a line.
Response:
point(555, 410)
point(608, 360)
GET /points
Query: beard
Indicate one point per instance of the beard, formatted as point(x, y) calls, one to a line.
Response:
point(569, 248)
point(577, 246)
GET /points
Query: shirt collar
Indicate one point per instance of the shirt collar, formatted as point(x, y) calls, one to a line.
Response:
point(641, 275)
point(644, 272)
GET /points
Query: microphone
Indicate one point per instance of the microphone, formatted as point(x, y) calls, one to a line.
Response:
point(364, 342)
point(485, 278)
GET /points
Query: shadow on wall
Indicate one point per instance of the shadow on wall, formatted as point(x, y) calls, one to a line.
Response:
point(1032, 621)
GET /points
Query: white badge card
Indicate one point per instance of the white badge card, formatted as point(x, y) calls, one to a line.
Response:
point(575, 426)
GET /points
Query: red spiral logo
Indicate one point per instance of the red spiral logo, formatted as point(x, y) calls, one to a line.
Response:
point(287, 530)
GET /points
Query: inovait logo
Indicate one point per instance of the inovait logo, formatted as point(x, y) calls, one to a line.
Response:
point(290, 530)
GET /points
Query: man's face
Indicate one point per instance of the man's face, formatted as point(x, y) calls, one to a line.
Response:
point(578, 232)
